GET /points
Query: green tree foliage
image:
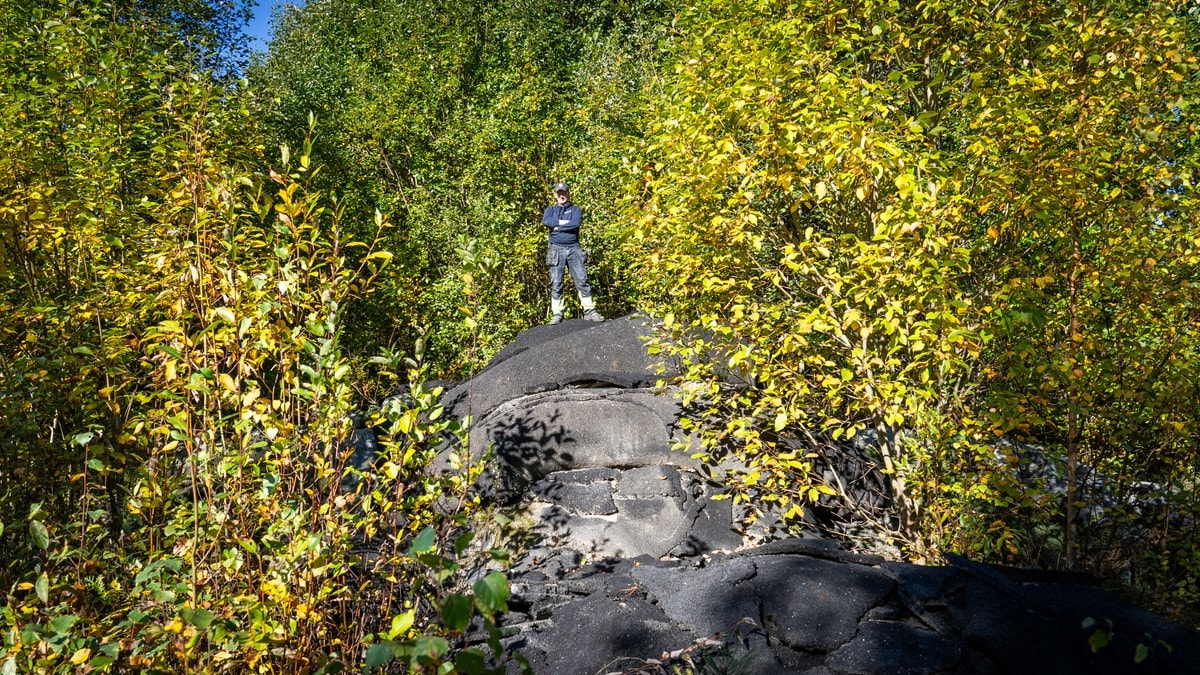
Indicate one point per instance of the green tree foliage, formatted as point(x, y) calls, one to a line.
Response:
point(940, 224)
point(1083, 176)
point(938, 228)
point(246, 530)
point(793, 202)
point(178, 492)
point(100, 121)
point(212, 30)
point(455, 119)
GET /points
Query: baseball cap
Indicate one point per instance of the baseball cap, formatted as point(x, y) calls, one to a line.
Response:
point(561, 187)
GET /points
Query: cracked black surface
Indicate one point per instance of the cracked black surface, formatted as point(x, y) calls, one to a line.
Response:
point(816, 608)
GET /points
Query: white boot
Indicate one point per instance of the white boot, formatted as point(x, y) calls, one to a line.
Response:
point(589, 309)
point(556, 308)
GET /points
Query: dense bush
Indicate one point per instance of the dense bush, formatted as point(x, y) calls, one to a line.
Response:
point(945, 225)
point(455, 119)
point(179, 494)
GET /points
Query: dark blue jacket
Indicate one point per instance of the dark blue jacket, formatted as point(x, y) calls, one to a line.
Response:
point(567, 218)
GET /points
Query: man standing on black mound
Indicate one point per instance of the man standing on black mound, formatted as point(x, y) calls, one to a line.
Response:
point(563, 220)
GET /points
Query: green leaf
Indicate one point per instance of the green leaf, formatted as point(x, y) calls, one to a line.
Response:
point(173, 352)
point(42, 588)
point(401, 623)
point(331, 668)
point(1099, 640)
point(95, 464)
point(423, 543)
point(61, 625)
point(155, 568)
point(462, 542)
point(39, 535)
point(491, 594)
point(378, 655)
point(200, 618)
point(456, 612)
point(428, 648)
point(1141, 653)
point(269, 483)
point(470, 661)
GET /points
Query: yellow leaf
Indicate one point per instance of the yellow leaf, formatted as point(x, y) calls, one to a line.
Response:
point(81, 656)
point(250, 397)
point(401, 623)
point(391, 470)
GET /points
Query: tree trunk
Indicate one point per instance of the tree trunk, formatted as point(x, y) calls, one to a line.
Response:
point(1070, 534)
point(906, 512)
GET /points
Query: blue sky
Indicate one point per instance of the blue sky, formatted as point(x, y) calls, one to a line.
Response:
point(259, 29)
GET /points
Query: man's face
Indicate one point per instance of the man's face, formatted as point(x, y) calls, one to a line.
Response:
point(561, 197)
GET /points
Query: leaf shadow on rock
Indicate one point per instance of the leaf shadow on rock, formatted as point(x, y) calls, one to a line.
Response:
point(526, 448)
